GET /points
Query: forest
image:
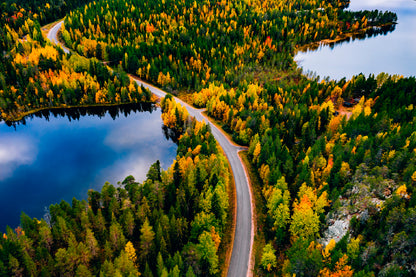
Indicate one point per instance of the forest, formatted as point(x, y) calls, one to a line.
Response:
point(16, 13)
point(172, 224)
point(317, 165)
point(202, 41)
point(37, 75)
point(317, 169)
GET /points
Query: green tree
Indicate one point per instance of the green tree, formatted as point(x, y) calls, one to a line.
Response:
point(190, 272)
point(14, 266)
point(128, 222)
point(147, 271)
point(94, 198)
point(125, 265)
point(154, 172)
point(107, 269)
point(175, 271)
point(46, 237)
point(66, 261)
point(92, 243)
point(278, 207)
point(83, 271)
point(304, 259)
point(268, 258)
point(305, 221)
point(207, 253)
point(159, 264)
point(146, 239)
point(116, 237)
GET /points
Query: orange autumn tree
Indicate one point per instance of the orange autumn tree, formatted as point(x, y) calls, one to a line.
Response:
point(341, 269)
point(306, 211)
point(174, 115)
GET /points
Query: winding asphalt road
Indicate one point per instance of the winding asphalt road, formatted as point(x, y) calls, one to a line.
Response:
point(53, 35)
point(243, 238)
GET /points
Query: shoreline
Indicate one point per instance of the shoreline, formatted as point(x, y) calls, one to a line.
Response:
point(338, 39)
point(21, 116)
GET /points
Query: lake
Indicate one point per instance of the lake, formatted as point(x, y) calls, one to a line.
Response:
point(393, 53)
point(59, 155)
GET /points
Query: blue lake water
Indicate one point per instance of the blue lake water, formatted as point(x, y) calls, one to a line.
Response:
point(46, 161)
point(393, 53)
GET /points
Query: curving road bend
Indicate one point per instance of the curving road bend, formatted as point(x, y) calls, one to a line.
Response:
point(243, 237)
point(53, 35)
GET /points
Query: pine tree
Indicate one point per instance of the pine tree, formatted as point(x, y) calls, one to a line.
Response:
point(116, 237)
point(146, 239)
point(131, 252)
point(159, 264)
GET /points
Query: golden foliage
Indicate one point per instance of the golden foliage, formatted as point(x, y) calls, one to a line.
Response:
point(131, 252)
point(402, 191)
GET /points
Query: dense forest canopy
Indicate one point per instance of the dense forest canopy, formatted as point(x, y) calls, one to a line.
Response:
point(16, 13)
point(36, 75)
point(205, 41)
point(335, 184)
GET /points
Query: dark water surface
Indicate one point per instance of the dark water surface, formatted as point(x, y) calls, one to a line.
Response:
point(45, 160)
point(393, 53)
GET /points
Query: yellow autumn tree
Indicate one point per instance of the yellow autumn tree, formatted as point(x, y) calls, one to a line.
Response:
point(131, 252)
point(353, 248)
point(402, 191)
point(256, 153)
point(414, 176)
point(268, 258)
point(306, 211)
point(305, 222)
point(334, 124)
point(327, 251)
point(216, 238)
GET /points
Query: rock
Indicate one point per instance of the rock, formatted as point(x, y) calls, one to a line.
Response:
point(336, 231)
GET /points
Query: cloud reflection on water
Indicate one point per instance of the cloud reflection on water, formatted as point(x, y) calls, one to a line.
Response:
point(134, 132)
point(143, 141)
point(14, 152)
point(47, 161)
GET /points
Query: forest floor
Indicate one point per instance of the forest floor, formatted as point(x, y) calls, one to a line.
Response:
point(345, 111)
